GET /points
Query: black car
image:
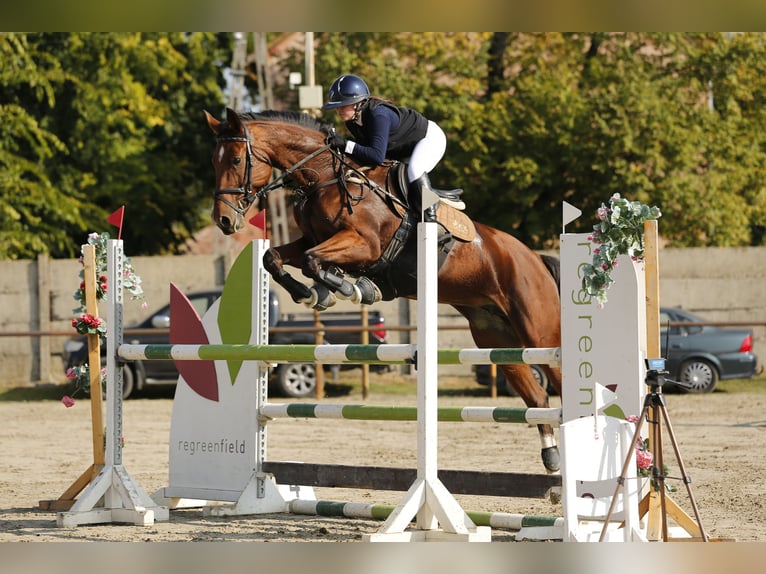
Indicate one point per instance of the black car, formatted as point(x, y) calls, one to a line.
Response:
point(290, 379)
point(698, 355)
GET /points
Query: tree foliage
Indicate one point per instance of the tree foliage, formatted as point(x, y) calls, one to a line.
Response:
point(93, 121)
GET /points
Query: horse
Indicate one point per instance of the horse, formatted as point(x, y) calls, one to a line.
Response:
point(357, 223)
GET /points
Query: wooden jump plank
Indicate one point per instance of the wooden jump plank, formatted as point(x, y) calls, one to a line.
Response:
point(506, 484)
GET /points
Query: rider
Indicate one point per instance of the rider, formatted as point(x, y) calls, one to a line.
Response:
point(383, 130)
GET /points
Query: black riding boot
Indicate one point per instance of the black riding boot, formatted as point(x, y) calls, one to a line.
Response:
point(423, 183)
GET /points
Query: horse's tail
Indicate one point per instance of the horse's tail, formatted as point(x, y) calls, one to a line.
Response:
point(553, 264)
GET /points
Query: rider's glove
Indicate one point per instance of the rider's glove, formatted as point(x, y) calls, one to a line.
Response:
point(336, 142)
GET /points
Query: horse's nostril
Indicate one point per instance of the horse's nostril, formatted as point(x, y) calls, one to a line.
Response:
point(225, 222)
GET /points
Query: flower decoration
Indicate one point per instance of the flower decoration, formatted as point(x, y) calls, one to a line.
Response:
point(620, 231)
point(131, 282)
point(87, 324)
point(80, 377)
point(645, 459)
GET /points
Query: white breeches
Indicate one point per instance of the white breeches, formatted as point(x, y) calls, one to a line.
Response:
point(427, 153)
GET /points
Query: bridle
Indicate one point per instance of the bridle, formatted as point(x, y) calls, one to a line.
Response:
point(246, 188)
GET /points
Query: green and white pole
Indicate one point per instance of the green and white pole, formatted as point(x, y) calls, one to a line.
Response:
point(524, 415)
point(339, 354)
point(363, 510)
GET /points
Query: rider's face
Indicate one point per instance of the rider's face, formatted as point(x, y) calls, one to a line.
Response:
point(346, 113)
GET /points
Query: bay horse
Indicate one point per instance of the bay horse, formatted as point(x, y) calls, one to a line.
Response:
point(357, 222)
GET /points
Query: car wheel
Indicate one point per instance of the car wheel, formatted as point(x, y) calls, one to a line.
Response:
point(699, 375)
point(296, 380)
point(128, 381)
point(538, 373)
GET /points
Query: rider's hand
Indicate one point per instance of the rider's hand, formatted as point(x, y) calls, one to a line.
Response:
point(336, 142)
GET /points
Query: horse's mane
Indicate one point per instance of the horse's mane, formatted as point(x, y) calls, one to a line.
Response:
point(296, 118)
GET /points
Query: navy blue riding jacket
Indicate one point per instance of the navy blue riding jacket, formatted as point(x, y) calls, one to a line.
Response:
point(387, 131)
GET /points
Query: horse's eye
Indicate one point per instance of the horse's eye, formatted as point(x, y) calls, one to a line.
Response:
point(236, 160)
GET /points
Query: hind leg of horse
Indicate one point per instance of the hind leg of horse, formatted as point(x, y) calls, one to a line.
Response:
point(489, 330)
point(525, 384)
point(554, 377)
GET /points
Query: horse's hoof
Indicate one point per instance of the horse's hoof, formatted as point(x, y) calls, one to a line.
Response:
point(368, 291)
point(322, 297)
point(551, 459)
point(356, 298)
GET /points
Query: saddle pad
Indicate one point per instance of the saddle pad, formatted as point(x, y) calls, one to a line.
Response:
point(456, 222)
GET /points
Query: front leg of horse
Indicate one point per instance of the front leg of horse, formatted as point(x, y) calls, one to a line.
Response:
point(274, 261)
point(363, 291)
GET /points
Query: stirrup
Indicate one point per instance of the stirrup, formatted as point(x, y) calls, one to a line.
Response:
point(453, 194)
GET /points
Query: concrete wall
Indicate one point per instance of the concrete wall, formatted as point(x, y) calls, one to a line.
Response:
point(718, 284)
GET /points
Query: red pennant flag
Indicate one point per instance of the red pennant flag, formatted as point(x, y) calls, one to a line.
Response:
point(259, 220)
point(116, 220)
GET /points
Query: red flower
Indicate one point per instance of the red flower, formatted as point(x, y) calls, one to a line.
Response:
point(644, 459)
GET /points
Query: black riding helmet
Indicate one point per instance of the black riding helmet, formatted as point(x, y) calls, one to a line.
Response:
point(346, 90)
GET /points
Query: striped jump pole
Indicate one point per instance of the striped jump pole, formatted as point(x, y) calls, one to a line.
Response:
point(533, 416)
point(502, 520)
point(339, 354)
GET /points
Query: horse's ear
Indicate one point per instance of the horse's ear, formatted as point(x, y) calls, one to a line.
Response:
point(232, 118)
point(214, 124)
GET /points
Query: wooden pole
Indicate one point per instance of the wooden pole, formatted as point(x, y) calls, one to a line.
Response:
point(94, 357)
point(67, 499)
point(319, 367)
point(651, 259)
point(365, 341)
point(652, 504)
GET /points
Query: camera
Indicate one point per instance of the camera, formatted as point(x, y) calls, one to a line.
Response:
point(655, 364)
point(655, 372)
point(656, 375)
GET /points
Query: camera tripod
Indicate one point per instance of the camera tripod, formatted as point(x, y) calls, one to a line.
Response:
point(655, 412)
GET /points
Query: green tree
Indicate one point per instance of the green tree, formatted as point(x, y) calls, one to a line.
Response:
point(587, 116)
point(126, 110)
point(94, 121)
point(33, 210)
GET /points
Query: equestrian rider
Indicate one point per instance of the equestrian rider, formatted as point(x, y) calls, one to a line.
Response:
point(382, 130)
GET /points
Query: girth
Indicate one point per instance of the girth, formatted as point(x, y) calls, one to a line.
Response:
point(395, 272)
